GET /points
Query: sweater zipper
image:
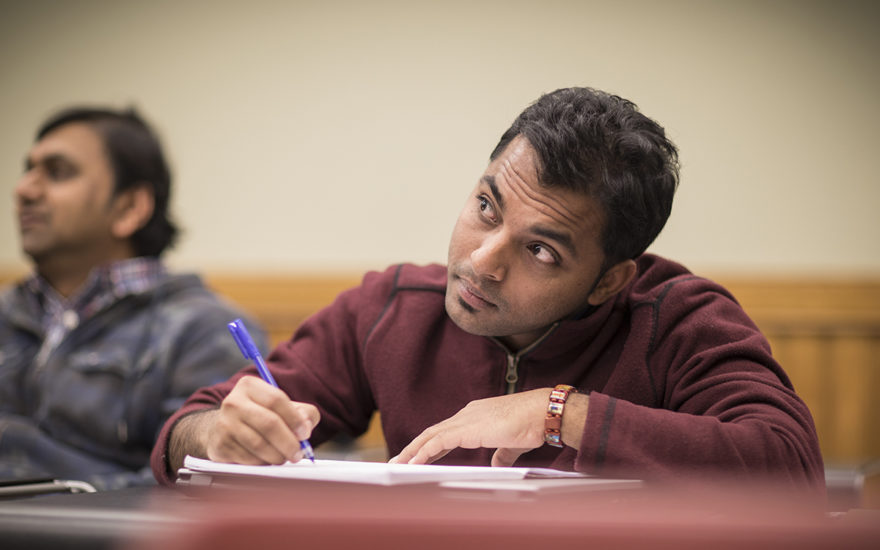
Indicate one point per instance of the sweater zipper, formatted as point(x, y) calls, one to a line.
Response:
point(512, 376)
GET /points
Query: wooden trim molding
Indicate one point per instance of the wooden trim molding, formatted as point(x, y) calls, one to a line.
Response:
point(805, 305)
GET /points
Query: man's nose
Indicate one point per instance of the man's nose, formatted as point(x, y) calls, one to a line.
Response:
point(29, 186)
point(490, 259)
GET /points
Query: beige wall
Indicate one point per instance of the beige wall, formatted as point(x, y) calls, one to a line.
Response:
point(310, 136)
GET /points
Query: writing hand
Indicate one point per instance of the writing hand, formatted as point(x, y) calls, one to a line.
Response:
point(259, 424)
point(512, 424)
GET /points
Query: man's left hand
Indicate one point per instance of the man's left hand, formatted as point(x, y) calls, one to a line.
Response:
point(512, 424)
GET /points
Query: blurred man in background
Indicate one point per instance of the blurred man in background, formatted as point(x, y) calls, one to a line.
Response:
point(100, 344)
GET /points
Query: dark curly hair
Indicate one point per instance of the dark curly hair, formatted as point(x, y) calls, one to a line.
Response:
point(599, 144)
point(137, 159)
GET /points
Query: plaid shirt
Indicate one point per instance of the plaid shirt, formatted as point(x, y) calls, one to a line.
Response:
point(105, 285)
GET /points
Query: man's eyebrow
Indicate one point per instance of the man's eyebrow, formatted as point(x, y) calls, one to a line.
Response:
point(490, 181)
point(54, 158)
point(563, 239)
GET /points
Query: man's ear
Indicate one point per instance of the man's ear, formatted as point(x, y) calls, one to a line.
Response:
point(614, 280)
point(134, 209)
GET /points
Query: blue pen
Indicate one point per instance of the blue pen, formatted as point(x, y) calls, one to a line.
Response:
point(250, 351)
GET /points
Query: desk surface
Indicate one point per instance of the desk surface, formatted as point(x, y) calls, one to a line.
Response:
point(335, 515)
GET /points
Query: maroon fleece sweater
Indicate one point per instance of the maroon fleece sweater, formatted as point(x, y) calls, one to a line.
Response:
point(681, 381)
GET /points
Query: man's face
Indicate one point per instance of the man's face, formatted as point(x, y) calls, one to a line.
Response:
point(63, 199)
point(521, 256)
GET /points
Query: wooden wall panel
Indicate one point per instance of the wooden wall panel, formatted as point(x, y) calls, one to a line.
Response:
point(839, 379)
point(825, 333)
point(852, 381)
point(801, 358)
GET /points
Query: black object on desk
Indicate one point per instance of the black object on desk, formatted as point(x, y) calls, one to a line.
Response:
point(85, 520)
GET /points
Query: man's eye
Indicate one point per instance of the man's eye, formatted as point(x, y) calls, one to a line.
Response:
point(486, 207)
point(543, 254)
point(58, 171)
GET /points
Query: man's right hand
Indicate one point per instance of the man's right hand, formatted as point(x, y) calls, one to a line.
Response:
point(256, 423)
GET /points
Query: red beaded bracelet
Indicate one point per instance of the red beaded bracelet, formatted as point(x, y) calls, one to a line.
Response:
point(553, 420)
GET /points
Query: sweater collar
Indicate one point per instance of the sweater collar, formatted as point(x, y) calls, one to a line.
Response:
point(564, 336)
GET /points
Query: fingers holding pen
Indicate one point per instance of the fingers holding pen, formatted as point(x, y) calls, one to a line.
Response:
point(259, 424)
point(240, 444)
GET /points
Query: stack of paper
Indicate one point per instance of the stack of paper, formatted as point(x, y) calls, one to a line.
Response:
point(377, 473)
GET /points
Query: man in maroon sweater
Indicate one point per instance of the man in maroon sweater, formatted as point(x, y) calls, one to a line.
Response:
point(550, 338)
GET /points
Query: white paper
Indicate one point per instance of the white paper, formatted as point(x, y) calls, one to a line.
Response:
point(377, 473)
